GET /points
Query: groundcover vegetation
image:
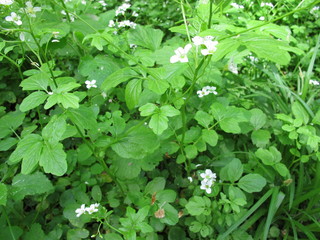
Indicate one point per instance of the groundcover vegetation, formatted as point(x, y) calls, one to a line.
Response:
point(159, 119)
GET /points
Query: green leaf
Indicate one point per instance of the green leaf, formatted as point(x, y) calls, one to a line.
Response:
point(281, 169)
point(7, 143)
point(269, 157)
point(158, 123)
point(51, 101)
point(266, 47)
point(67, 87)
point(196, 205)
point(10, 121)
point(34, 232)
point(26, 149)
point(232, 171)
point(210, 137)
point(120, 76)
point(191, 151)
point(55, 129)
point(133, 92)
point(166, 195)
point(137, 144)
point(37, 81)
point(176, 233)
point(126, 168)
point(155, 185)
point(53, 159)
point(83, 117)
point(33, 100)
point(230, 125)
point(258, 118)
point(299, 112)
point(260, 137)
point(158, 86)
point(147, 109)
point(203, 118)
point(76, 234)
point(33, 184)
point(96, 193)
point(252, 183)
point(169, 111)
point(146, 37)
point(68, 100)
point(171, 215)
point(3, 194)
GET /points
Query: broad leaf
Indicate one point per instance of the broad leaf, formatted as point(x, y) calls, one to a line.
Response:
point(252, 183)
point(33, 100)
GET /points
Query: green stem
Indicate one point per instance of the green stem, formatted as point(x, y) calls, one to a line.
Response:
point(210, 14)
point(185, 20)
point(8, 221)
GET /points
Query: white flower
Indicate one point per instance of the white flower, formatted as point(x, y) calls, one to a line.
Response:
point(197, 40)
point(91, 84)
point(81, 210)
point(103, 3)
point(261, 18)
point(103, 94)
point(314, 82)
point(211, 47)
point(206, 186)
point(111, 23)
point(202, 93)
point(190, 179)
point(133, 45)
point(93, 208)
point(181, 54)
point(14, 18)
point(208, 176)
point(30, 10)
point(50, 93)
point(210, 89)
point(122, 9)
point(135, 14)
point(6, 2)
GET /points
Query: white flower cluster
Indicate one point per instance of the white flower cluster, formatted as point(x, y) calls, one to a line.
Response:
point(83, 209)
point(235, 5)
point(208, 179)
point(181, 53)
point(266, 4)
point(122, 9)
point(314, 11)
point(91, 84)
point(314, 82)
point(206, 91)
point(6, 2)
point(262, 18)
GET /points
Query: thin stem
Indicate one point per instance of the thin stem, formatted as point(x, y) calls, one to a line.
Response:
point(185, 20)
point(210, 14)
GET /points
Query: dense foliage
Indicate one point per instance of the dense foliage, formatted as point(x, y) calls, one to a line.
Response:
point(159, 119)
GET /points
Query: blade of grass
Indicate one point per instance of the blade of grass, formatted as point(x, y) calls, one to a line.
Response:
point(276, 200)
point(305, 230)
point(306, 196)
point(245, 216)
point(255, 217)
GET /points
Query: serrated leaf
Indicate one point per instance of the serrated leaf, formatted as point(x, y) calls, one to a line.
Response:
point(120, 76)
point(210, 137)
point(146, 37)
point(53, 159)
point(258, 118)
point(232, 171)
point(158, 123)
point(33, 100)
point(156, 185)
point(203, 118)
point(55, 129)
point(83, 117)
point(137, 144)
point(37, 81)
point(33, 184)
point(260, 137)
point(147, 109)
